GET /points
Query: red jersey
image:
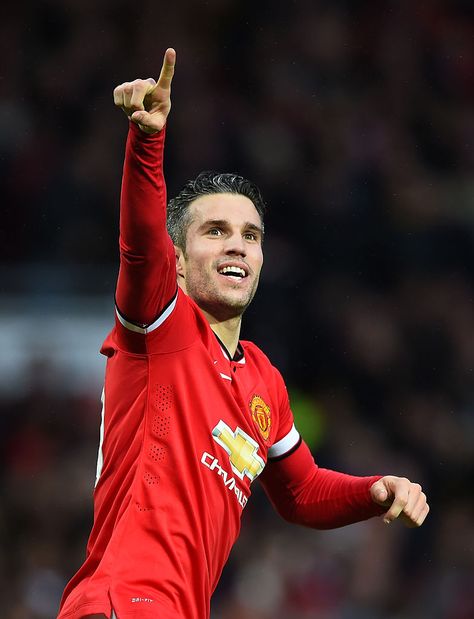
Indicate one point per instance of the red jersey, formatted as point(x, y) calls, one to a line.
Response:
point(185, 430)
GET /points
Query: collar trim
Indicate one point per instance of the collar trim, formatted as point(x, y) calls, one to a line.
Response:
point(239, 356)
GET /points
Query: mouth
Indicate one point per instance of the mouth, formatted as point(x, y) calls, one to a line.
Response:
point(233, 272)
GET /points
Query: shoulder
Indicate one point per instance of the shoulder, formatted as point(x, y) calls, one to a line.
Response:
point(176, 328)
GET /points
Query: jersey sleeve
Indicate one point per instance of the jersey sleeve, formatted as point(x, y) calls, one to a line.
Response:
point(303, 493)
point(146, 286)
point(287, 437)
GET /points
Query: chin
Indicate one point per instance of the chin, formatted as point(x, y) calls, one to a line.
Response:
point(224, 308)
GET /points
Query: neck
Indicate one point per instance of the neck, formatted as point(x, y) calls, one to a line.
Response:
point(228, 331)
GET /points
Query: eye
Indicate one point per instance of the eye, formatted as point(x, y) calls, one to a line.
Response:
point(250, 236)
point(214, 232)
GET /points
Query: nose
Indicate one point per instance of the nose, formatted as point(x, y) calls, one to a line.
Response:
point(235, 245)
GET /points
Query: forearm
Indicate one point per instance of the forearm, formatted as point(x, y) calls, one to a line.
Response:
point(147, 277)
point(143, 195)
point(305, 494)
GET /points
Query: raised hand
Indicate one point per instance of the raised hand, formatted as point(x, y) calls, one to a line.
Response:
point(405, 500)
point(146, 102)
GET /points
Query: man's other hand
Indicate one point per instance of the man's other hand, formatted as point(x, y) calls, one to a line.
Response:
point(405, 500)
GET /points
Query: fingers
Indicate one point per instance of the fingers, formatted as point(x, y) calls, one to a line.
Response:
point(400, 491)
point(167, 70)
point(143, 88)
point(417, 508)
point(131, 95)
point(422, 516)
point(408, 501)
point(146, 102)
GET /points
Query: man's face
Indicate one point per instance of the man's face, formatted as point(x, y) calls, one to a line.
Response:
point(221, 265)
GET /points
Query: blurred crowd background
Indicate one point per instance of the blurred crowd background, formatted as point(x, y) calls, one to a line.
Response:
point(356, 119)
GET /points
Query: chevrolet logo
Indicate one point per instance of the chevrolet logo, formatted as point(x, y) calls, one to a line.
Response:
point(242, 450)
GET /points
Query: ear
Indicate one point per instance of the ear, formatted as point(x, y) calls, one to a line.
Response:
point(180, 262)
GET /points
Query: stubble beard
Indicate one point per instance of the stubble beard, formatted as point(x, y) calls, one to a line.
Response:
point(216, 302)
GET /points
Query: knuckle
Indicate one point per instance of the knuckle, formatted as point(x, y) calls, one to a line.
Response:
point(140, 83)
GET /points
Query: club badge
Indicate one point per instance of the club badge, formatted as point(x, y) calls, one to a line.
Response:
point(261, 415)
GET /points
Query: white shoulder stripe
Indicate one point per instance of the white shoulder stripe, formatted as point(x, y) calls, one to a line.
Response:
point(100, 453)
point(154, 325)
point(285, 444)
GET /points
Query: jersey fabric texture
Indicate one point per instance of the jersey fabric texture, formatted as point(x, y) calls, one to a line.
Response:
point(170, 495)
point(185, 430)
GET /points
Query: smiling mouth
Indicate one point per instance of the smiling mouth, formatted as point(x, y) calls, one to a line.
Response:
point(233, 272)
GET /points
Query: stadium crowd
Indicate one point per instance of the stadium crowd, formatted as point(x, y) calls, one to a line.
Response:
point(357, 122)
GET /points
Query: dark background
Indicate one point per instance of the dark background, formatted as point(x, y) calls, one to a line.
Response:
point(356, 119)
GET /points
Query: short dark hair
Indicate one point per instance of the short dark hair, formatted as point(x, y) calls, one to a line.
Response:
point(206, 183)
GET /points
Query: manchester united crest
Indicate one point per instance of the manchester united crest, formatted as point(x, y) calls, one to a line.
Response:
point(261, 415)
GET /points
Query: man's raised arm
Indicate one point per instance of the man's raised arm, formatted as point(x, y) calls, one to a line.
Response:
point(147, 276)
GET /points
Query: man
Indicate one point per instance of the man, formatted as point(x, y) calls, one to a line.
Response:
point(192, 415)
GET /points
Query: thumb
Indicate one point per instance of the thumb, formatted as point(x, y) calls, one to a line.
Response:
point(147, 122)
point(140, 116)
point(379, 493)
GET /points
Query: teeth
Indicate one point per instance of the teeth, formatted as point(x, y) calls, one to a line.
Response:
point(233, 270)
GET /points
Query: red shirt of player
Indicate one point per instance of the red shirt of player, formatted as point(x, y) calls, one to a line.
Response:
point(185, 430)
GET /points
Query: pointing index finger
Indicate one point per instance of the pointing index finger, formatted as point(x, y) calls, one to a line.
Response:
point(167, 70)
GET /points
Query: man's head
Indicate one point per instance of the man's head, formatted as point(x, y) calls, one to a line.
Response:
point(207, 183)
point(216, 223)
